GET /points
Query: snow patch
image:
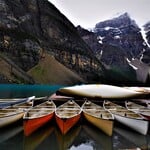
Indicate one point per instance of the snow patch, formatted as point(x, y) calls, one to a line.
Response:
point(135, 68)
point(129, 62)
point(108, 28)
point(100, 38)
point(100, 42)
point(101, 52)
point(117, 37)
point(144, 43)
point(144, 36)
point(141, 57)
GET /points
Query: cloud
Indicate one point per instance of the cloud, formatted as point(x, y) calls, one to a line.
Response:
point(89, 12)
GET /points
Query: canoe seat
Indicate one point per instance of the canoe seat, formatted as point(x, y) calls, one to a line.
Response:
point(21, 106)
point(7, 114)
point(36, 114)
point(65, 114)
point(39, 109)
point(107, 117)
point(8, 109)
point(45, 106)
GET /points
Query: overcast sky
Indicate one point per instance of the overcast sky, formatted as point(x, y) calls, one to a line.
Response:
point(89, 12)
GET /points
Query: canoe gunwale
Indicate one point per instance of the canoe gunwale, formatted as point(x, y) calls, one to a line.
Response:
point(100, 117)
point(142, 110)
point(12, 114)
point(89, 106)
point(124, 110)
point(12, 110)
point(68, 107)
point(44, 112)
point(68, 116)
point(37, 117)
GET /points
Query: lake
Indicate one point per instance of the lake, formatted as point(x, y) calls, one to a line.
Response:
point(82, 137)
point(16, 90)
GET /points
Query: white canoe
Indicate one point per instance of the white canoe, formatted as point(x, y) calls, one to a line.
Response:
point(4, 100)
point(99, 90)
point(144, 111)
point(7, 103)
point(128, 118)
point(15, 112)
point(139, 89)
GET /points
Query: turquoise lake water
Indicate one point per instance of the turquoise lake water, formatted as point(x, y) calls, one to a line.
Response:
point(17, 90)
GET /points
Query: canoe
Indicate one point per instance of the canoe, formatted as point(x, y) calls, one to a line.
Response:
point(98, 91)
point(38, 116)
point(140, 89)
point(3, 100)
point(99, 117)
point(129, 118)
point(67, 115)
point(59, 97)
point(15, 112)
point(144, 111)
point(8, 102)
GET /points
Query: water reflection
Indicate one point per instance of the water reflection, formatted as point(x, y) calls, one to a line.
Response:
point(36, 138)
point(148, 139)
point(80, 137)
point(10, 132)
point(11, 138)
point(138, 140)
point(66, 141)
point(98, 139)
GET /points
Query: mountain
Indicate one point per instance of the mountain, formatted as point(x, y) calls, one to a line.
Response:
point(116, 42)
point(147, 30)
point(146, 56)
point(124, 33)
point(32, 30)
point(38, 44)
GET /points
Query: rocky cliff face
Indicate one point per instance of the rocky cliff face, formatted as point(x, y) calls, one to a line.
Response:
point(124, 33)
point(146, 56)
point(29, 28)
point(115, 43)
point(147, 30)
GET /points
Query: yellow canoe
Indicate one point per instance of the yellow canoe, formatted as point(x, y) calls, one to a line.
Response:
point(98, 116)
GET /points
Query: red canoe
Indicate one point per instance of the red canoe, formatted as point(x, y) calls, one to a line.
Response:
point(67, 115)
point(38, 116)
